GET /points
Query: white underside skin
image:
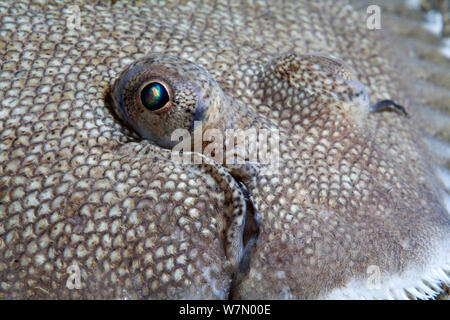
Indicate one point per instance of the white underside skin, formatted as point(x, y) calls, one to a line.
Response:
point(419, 282)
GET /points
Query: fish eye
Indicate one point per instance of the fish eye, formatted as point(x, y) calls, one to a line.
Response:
point(155, 96)
point(160, 93)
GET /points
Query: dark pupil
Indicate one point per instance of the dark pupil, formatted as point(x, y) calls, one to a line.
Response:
point(154, 96)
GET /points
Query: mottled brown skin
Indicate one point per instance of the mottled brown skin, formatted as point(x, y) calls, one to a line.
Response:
point(77, 186)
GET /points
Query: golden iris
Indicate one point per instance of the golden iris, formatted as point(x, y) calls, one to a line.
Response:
point(154, 96)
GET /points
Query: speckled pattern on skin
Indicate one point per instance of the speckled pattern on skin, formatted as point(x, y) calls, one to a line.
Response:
point(354, 189)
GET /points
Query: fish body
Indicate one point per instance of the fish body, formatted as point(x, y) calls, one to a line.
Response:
point(89, 209)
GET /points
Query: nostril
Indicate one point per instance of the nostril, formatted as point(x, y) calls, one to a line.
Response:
point(388, 105)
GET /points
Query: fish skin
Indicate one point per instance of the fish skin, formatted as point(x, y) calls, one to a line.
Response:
point(79, 187)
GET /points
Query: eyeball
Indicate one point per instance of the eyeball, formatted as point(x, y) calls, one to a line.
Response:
point(161, 93)
point(155, 96)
